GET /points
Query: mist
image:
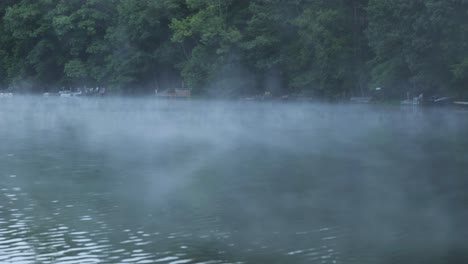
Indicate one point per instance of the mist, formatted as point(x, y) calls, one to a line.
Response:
point(164, 181)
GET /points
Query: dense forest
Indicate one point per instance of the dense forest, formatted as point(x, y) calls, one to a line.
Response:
point(324, 48)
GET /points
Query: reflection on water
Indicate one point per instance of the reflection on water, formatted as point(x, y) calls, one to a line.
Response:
point(142, 181)
point(66, 233)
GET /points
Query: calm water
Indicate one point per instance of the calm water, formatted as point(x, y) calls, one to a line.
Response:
point(145, 181)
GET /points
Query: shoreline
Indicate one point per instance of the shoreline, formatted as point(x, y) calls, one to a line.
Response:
point(298, 100)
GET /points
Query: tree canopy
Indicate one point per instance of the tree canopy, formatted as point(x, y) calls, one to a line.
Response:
point(327, 48)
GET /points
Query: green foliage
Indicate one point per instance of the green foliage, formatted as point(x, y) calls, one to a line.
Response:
point(330, 48)
point(419, 45)
point(210, 32)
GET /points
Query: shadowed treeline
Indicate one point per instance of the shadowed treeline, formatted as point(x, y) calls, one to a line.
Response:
point(227, 48)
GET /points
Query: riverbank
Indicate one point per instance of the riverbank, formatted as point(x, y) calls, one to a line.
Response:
point(102, 93)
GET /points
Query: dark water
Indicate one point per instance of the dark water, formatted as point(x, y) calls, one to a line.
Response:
point(145, 181)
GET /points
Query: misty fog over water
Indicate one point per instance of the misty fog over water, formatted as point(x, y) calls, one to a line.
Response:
point(155, 181)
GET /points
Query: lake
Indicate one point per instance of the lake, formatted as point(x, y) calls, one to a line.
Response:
point(152, 181)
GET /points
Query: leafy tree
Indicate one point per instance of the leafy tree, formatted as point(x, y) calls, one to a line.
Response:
point(330, 51)
point(213, 35)
point(81, 27)
point(144, 55)
point(419, 45)
point(329, 48)
point(28, 44)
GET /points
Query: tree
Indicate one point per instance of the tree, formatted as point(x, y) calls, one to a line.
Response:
point(81, 27)
point(28, 44)
point(143, 55)
point(331, 47)
point(212, 34)
point(419, 45)
point(328, 48)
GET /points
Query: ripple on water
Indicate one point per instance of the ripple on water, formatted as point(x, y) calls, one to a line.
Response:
point(86, 218)
point(87, 238)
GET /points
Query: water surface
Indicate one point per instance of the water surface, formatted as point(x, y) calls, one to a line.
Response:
point(149, 181)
